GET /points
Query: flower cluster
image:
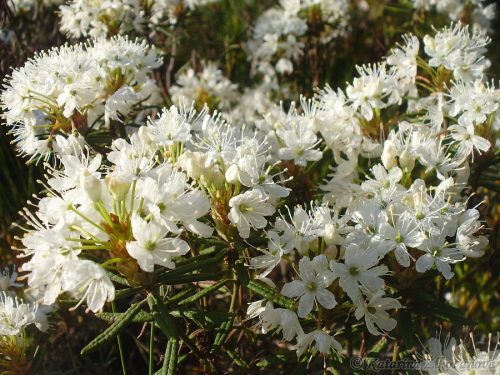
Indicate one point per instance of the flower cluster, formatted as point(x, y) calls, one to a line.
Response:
point(16, 314)
point(451, 358)
point(73, 90)
point(104, 18)
point(276, 40)
point(135, 212)
point(209, 86)
point(100, 18)
point(326, 207)
point(481, 12)
point(408, 207)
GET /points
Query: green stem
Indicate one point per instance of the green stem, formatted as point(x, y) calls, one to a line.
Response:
point(87, 219)
point(119, 340)
point(132, 195)
point(151, 347)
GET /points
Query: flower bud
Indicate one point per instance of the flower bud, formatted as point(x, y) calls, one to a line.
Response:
point(406, 161)
point(145, 134)
point(389, 155)
point(330, 236)
point(91, 185)
point(117, 186)
point(232, 174)
point(192, 163)
point(212, 176)
point(284, 66)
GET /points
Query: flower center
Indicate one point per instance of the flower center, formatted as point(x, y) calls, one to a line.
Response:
point(399, 237)
point(245, 208)
point(353, 270)
point(150, 246)
point(311, 286)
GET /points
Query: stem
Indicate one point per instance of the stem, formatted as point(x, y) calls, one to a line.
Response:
point(87, 219)
point(119, 340)
point(132, 195)
point(151, 347)
point(83, 231)
point(234, 294)
point(82, 240)
point(104, 213)
point(89, 247)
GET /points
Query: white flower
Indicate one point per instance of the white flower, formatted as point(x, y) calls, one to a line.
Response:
point(171, 200)
point(467, 140)
point(151, 247)
point(403, 62)
point(248, 210)
point(256, 308)
point(377, 319)
point(438, 252)
point(315, 278)
point(459, 50)
point(359, 272)
point(172, 126)
point(469, 244)
point(399, 237)
point(100, 18)
point(270, 318)
point(210, 85)
point(15, 315)
point(8, 279)
point(120, 103)
point(323, 342)
point(75, 166)
point(299, 233)
point(368, 90)
point(389, 155)
point(85, 279)
point(299, 144)
point(271, 257)
point(287, 322)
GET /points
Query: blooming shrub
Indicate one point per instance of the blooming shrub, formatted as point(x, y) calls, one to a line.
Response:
point(251, 224)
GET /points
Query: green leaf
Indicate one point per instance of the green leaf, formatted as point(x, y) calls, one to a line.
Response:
point(190, 265)
point(117, 279)
point(114, 329)
point(141, 317)
point(222, 334)
point(162, 317)
point(202, 293)
point(237, 360)
point(184, 279)
point(378, 347)
point(170, 359)
point(180, 296)
point(204, 319)
point(124, 293)
point(271, 295)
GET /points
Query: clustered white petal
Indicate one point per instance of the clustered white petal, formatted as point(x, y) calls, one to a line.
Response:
point(379, 169)
point(65, 91)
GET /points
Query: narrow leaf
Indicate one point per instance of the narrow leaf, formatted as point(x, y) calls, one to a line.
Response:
point(114, 329)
